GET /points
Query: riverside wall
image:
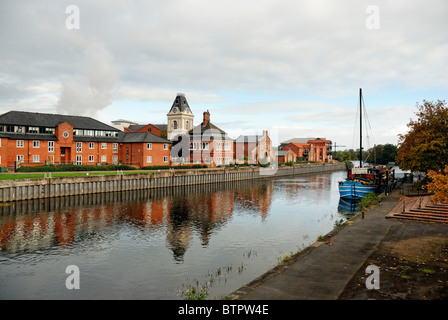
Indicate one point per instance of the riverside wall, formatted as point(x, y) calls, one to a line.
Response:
point(40, 188)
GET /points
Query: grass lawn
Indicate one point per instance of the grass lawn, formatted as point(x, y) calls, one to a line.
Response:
point(9, 176)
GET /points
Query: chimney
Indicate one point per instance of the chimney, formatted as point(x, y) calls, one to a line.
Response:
point(265, 132)
point(206, 118)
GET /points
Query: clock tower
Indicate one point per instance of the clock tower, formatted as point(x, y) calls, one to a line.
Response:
point(179, 118)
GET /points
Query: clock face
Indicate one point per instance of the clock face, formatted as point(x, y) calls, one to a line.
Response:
point(65, 134)
point(175, 109)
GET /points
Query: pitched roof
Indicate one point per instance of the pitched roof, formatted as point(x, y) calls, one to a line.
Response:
point(135, 127)
point(297, 140)
point(145, 137)
point(181, 103)
point(23, 118)
point(209, 128)
point(249, 138)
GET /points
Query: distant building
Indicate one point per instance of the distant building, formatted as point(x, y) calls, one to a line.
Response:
point(210, 144)
point(309, 149)
point(254, 148)
point(30, 138)
point(179, 118)
point(286, 156)
point(143, 149)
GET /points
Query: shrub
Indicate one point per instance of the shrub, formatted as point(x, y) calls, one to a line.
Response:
point(368, 200)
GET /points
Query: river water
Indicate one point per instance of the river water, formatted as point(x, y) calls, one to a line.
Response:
point(155, 244)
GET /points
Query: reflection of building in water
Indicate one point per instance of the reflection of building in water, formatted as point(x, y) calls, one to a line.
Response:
point(179, 233)
point(256, 197)
point(184, 212)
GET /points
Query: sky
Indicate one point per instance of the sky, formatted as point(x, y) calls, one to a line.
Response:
point(292, 67)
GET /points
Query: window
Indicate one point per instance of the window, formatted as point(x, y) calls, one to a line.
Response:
point(91, 158)
point(103, 158)
point(91, 145)
point(175, 124)
point(165, 146)
point(103, 145)
point(19, 143)
point(115, 147)
point(149, 146)
point(49, 130)
point(33, 129)
point(78, 146)
point(36, 144)
point(114, 160)
point(20, 157)
point(79, 160)
point(50, 146)
point(165, 159)
point(36, 159)
point(148, 159)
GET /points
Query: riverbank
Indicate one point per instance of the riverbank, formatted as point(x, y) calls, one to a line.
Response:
point(412, 259)
point(50, 186)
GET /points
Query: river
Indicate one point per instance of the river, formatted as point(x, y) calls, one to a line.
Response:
point(155, 244)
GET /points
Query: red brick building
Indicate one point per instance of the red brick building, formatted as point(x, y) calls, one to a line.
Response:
point(28, 138)
point(143, 149)
point(286, 156)
point(310, 149)
point(210, 144)
point(254, 148)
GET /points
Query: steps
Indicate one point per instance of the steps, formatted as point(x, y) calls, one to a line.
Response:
point(420, 209)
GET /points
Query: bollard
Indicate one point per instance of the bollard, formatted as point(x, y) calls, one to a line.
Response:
point(362, 213)
point(329, 240)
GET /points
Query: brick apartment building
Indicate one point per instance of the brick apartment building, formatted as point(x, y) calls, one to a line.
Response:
point(309, 149)
point(210, 144)
point(30, 138)
point(254, 148)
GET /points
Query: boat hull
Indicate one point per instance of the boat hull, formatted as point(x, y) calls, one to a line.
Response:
point(354, 190)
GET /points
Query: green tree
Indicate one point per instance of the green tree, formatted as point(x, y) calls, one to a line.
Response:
point(425, 146)
point(383, 154)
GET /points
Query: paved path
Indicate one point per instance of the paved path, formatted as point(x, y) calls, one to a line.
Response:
point(322, 271)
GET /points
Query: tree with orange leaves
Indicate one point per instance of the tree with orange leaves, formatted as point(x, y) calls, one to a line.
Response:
point(438, 185)
point(425, 146)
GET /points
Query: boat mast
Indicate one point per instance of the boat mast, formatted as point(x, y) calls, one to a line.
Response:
point(360, 127)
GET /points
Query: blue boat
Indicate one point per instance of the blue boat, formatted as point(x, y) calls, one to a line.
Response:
point(355, 189)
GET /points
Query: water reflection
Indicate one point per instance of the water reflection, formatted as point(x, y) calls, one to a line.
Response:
point(348, 206)
point(32, 225)
point(144, 244)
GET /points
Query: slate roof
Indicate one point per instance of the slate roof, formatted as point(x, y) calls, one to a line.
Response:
point(28, 136)
point(143, 137)
point(297, 140)
point(249, 138)
point(23, 118)
point(181, 103)
point(210, 127)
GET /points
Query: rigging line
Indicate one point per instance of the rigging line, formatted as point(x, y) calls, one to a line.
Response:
point(367, 121)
